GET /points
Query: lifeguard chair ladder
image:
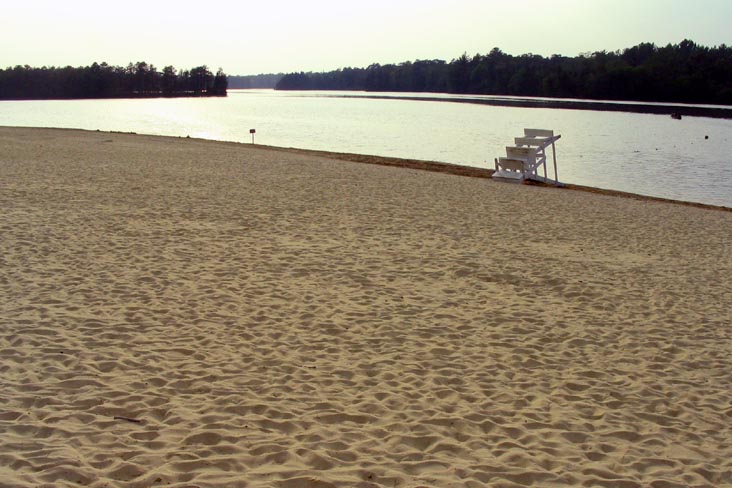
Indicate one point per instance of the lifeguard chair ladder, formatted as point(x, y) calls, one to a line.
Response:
point(523, 160)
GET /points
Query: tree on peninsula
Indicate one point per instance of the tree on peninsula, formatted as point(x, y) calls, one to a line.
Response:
point(138, 80)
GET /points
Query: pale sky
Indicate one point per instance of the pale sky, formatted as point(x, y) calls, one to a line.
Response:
point(245, 37)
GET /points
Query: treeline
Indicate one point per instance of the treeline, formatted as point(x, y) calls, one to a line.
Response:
point(684, 72)
point(255, 81)
point(105, 81)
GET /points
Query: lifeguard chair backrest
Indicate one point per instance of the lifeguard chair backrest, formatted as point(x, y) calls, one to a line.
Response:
point(529, 141)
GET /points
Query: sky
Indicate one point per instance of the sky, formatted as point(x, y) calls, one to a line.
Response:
point(245, 37)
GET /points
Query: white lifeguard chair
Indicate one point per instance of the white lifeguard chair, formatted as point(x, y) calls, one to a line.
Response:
point(523, 160)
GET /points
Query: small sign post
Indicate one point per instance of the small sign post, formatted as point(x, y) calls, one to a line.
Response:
point(252, 132)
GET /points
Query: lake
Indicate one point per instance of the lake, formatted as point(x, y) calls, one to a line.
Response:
point(655, 155)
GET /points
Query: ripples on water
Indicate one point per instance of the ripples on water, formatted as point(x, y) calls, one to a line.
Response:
point(639, 153)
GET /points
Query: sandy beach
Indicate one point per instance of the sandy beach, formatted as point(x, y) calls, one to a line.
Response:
point(187, 313)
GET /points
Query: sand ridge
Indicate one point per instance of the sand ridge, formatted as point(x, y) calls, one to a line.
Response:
point(187, 313)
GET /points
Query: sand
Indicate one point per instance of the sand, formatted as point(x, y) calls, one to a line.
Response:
point(186, 313)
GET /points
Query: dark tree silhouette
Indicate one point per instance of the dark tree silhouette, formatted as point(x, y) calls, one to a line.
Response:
point(220, 84)
point(169, 81)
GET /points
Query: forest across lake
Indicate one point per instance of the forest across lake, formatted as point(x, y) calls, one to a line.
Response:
point(675, 73)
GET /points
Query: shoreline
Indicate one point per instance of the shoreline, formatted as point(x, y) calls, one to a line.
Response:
point(474, 172)
point(417, 164)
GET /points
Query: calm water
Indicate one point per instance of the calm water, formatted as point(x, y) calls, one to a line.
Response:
point(640, 153)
